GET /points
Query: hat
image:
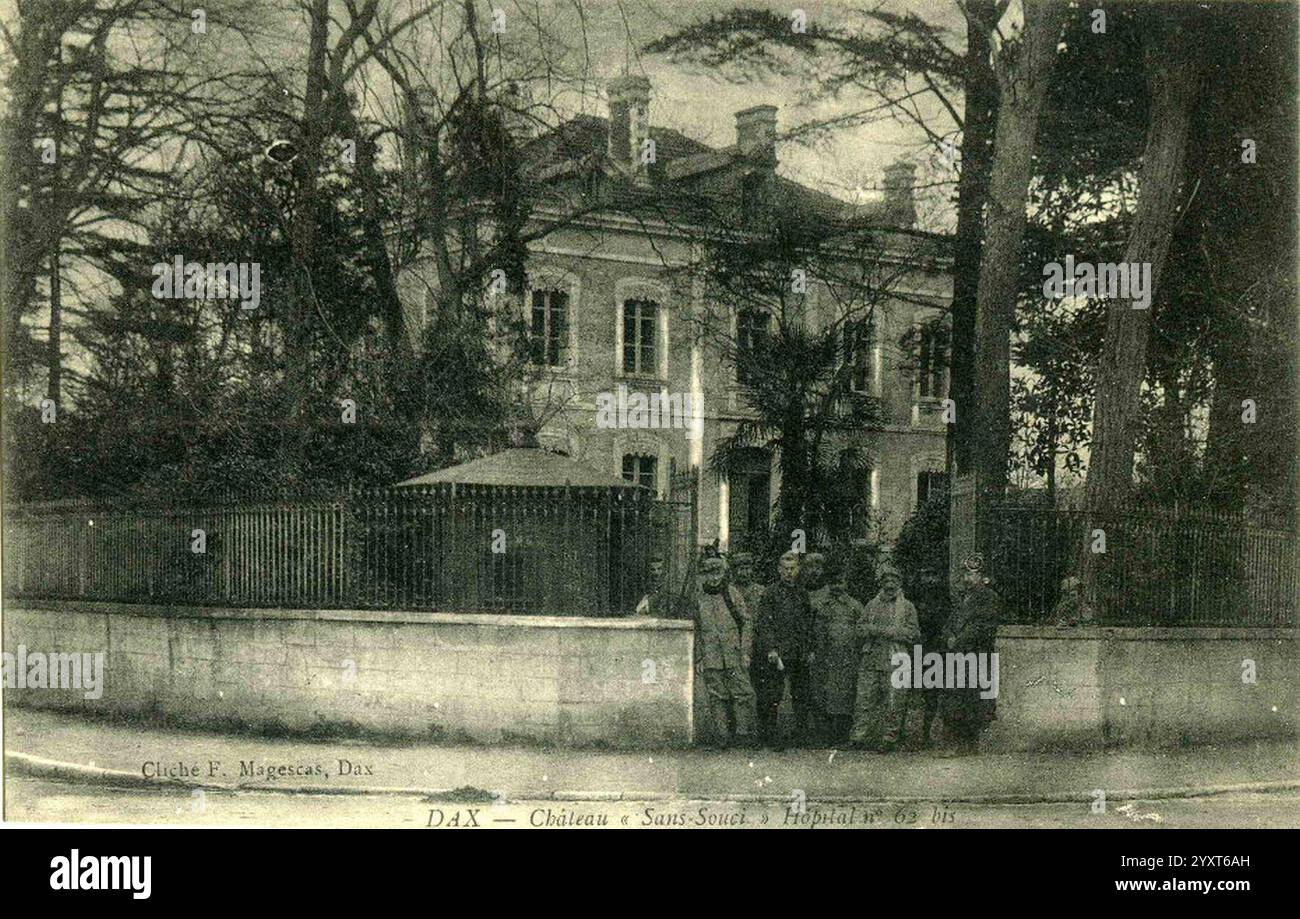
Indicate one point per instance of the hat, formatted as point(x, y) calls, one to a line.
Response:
point(714, 563)
point(973, 562)
point(888, 570)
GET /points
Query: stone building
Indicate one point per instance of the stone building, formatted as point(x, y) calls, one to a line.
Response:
point(610, 316)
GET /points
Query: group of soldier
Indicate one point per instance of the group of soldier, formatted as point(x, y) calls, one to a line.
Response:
point(807, 635)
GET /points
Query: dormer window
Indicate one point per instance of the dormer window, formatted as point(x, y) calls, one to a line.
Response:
point(752, 196)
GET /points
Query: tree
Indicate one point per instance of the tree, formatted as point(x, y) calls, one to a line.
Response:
point(1023, 66)
point(101, 92)
point(802, 373)
point(1172, 82)
point(898, 62)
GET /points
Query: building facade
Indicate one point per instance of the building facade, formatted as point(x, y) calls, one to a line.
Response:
point(609, 312)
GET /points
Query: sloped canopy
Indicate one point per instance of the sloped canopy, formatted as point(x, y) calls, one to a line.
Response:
point(521, 466)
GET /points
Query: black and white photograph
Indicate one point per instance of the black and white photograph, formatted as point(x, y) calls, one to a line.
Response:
point(651, 414)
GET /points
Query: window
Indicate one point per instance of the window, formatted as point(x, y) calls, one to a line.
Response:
point(749, 490)
point(859, 336)
point(931, 361)
point(639, 320)
point(549, 329)
point(751, 332)
point(930, 486)
point(640, 469)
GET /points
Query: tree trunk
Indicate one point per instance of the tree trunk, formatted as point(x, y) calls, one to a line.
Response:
point(22, 244)
point(1023, 72)
point(1172, 81)
point(298, 325)
point(54, 340)
point(981, 94)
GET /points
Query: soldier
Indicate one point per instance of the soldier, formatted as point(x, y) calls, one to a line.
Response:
point(971, 628)
point(931, 601)
point(782, 649)
point(724, 641)
point(888, 625)
point(835, 654)
point(658, 602)
point(812, 573)
point(742, 578)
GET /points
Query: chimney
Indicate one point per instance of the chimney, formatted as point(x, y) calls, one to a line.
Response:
point(756, 133)
point(629, 124)
point(900, 205)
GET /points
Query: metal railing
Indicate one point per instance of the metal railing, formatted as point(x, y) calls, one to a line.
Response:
point(1159, 567)
point(553, 551)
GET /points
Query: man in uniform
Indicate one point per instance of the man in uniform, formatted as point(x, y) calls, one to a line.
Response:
point(932, 602)
point(835, 654)
point(812, 573)
point(971, 628)
point(888, 625)
point(724, 636)
point(742, 578)
point(782, 649)
point(658, 602)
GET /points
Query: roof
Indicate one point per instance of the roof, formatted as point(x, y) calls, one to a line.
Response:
point(521, 466)
point(686, 165)
point(585, 134)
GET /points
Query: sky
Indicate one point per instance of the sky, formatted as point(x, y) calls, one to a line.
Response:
point(702, 104)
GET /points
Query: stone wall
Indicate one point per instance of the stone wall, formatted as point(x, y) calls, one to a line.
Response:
point(432, 676)
point(1092, 688)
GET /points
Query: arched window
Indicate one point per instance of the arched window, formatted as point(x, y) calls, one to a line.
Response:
point(641, 469)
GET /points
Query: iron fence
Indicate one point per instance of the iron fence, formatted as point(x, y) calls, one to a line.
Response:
point(552, 551)
point(1153, 566)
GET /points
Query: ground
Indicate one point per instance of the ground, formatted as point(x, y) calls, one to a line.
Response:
point(61, 768)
